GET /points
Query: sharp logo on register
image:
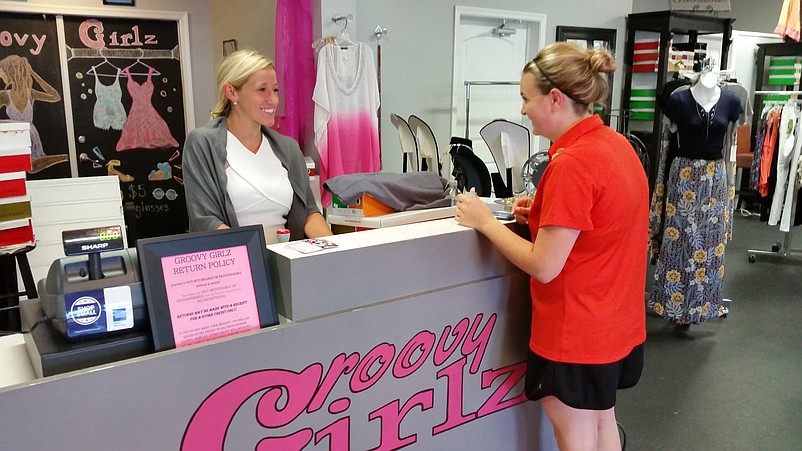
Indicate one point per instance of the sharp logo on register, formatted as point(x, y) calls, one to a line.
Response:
point(89, 247)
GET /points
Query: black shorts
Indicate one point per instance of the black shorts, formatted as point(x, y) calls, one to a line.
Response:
point(582, 386)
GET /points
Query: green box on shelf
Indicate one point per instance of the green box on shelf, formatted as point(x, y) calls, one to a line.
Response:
point(640, 92)
point(783, 80)
point(782, 71)
point(641, 115)
point(787, 61)
point(642, 104)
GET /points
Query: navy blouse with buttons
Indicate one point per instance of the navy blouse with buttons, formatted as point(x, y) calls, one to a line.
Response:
point(701, 133)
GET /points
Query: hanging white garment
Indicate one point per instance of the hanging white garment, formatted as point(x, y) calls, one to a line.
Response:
point(346, 104)
point(791, 186)
point(784, 155)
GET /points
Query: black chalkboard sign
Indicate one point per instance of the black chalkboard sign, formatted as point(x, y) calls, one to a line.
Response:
point(128, 114)
point(31, 89)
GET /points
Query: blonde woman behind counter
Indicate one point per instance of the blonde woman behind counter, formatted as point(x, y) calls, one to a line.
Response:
point(239, 172)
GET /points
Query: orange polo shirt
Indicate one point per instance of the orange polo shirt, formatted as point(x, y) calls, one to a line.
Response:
point(594, 310)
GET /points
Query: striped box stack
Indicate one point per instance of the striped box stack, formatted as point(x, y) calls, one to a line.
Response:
point(784, 70)
point(647, 55)
point(15, 203)
point(642, 103)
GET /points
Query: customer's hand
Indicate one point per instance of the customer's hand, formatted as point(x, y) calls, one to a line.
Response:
point(472, 211)
point(520, 209)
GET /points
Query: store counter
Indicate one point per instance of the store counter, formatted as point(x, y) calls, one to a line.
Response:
point(410, 336)
point(379, 265)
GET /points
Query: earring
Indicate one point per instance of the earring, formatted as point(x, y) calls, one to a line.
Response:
point(235, 103)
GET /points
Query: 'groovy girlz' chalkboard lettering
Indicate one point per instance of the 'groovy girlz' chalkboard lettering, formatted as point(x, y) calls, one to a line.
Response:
point(20, 40)
point(91, 33)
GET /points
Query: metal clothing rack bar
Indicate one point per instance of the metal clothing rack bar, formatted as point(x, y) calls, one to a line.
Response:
point(468, 85)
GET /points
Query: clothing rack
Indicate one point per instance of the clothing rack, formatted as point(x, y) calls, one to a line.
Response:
point(468, 85)
point(781, 251)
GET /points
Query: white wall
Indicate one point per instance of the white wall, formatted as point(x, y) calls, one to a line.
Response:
point(200, 41)
point(417, 54)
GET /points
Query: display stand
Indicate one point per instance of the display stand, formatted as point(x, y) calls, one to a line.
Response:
point(667, 27)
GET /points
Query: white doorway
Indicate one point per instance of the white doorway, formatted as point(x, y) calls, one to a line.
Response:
point(490, 48)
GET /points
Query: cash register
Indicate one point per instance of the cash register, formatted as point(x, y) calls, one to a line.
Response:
point(91, 308)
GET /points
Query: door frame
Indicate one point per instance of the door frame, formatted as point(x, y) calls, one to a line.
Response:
point(457, 86)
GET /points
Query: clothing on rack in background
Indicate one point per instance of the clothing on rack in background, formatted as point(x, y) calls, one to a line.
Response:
point(776, 164)
point(767, 152)
point(763, 131)
point(346, 100)
point(691, 215)
point(786, 155)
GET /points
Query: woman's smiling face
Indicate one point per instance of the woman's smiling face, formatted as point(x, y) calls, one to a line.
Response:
point(258, 99)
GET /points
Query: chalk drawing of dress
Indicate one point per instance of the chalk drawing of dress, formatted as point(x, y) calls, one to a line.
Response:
point(144, 128)
point(27, 116)
point(109, 111)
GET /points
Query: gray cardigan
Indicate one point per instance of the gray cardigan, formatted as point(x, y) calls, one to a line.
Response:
point(205, 181)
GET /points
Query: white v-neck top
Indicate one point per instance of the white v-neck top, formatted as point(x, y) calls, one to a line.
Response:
point(259, 186)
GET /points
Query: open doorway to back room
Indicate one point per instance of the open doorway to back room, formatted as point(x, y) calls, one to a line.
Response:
point(490, 48)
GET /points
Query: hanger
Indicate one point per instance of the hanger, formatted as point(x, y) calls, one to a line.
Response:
point(147, 67)
point(343, 39)
point(322, 42)
point(94, 69)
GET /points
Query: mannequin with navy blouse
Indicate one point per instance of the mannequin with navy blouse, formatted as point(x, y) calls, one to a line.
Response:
point(690, 269)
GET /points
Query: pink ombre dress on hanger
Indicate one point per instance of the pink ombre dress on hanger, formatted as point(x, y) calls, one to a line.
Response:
point(346, 103)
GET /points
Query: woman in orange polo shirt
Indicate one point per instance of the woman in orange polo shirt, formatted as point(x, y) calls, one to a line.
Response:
point(587, 258)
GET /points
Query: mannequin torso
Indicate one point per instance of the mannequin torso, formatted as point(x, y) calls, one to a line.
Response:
point(706, 91)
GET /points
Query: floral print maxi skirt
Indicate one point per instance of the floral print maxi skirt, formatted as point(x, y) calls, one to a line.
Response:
point(690, 269)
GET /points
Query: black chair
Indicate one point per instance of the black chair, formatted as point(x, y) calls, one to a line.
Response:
point(9, 263)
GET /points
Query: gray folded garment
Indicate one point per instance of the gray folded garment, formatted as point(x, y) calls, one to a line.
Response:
point(401, 192)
